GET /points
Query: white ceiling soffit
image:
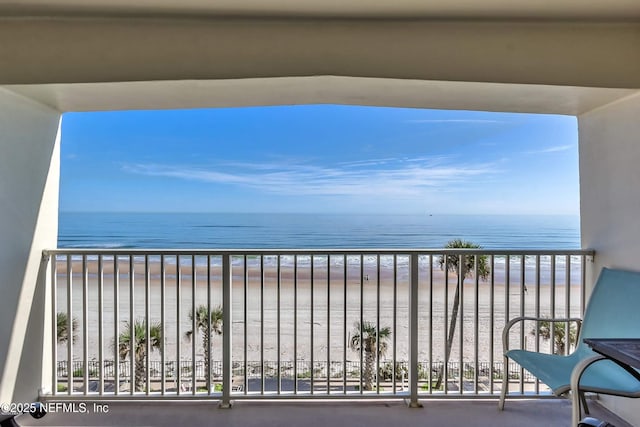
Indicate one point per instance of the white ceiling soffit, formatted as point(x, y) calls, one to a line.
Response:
point(452, 9)
point(320, 90)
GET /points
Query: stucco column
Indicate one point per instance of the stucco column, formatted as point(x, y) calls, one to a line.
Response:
point(29, 186)
point(610, 198)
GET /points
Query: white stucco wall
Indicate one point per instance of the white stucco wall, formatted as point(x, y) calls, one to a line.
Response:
point(610, 198)
point(29, 182)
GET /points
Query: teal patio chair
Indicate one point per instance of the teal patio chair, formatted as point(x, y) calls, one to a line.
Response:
point(613, 311)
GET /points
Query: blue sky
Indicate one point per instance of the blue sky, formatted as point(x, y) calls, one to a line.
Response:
point(319, 159)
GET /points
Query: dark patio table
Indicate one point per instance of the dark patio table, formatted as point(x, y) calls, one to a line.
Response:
point(623, 351)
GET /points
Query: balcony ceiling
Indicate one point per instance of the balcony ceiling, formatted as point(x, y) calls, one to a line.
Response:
point(446, 9)
point(569, 57)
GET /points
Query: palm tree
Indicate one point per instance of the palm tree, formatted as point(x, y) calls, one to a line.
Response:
point(205, 320)
point(463, 266)
point(63, 327)
point(559, 332)
point(365, 338)
point(139, 346)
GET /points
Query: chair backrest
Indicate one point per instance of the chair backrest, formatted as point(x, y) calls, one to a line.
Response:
point(613, 310)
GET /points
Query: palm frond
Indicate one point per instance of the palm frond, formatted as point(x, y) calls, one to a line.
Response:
point(62, 327)
point(452, 262)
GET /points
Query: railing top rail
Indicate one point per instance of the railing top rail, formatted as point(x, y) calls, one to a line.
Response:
point(315, 251)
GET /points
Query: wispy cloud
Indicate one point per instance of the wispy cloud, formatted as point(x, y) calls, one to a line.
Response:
point(368, 162)
point(554, 149)
point(373, 177)
point(473, 121)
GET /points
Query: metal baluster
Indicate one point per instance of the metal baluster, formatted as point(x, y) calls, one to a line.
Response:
point(430, 374)
point(116, 322)
point(476, 321)
point(178, 337)
point(537, 329)
point(100, 325)
point(163, 375)
point(413, 332)
point(194, 331)
point(462, 259)
point(395, 322)
point(85, 325)
point(445, 368)
point(262, 273)
point(295, 324)
point(553, 303)
point(132, 332)
point(523, 288)
point(245, 379)
point(279, 295)
point(507, 282)
point(207, 375)
point(567, 303)
point(328, 324)
point(378, 326)
point(583, 287)
point(53, 265)
point(226, 330)
point(361, 323)
point(492, 315)
point(344, 325)
point(311, 323)
point(69, 325)
point(147, 280)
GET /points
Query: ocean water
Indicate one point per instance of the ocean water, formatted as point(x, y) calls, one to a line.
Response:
point(310, 231)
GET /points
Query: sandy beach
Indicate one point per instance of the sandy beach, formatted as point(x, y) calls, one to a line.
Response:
point(335, 304)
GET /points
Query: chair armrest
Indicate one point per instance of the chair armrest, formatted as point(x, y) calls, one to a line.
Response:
point(509, 325)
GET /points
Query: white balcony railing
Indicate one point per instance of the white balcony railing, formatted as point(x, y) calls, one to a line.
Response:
point(288, 323)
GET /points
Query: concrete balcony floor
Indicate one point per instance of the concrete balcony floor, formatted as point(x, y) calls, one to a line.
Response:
point(450, 413)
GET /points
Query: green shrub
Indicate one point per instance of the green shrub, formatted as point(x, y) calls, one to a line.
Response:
point(304, 374)
point(386, 371)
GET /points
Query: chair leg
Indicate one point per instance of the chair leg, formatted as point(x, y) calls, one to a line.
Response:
point(576, 399)
point(576, 395)
point(583, 399)
point(505, 384)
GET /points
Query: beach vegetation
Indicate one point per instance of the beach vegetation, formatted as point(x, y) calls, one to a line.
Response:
point(386, 371)
point(338, 373)
point(462, 266)
point(559, 334)
point(372, 341)
point(208, 323)
point(138, 345)
point(304, 374)
point(62, 327)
